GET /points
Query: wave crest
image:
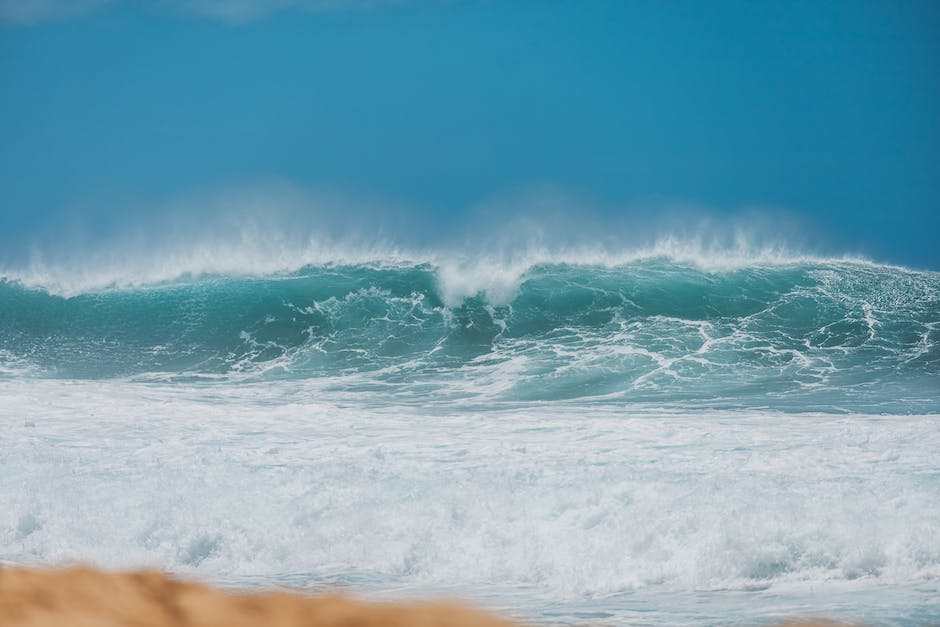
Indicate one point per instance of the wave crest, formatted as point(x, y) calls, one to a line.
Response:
point(460, 273)
point(645, 331)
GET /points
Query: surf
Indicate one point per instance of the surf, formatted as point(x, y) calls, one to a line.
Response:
point(830, 333)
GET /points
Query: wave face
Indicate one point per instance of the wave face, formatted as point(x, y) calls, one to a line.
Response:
point(818, 335)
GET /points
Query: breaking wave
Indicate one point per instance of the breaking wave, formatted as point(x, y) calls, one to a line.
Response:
point(775, 331)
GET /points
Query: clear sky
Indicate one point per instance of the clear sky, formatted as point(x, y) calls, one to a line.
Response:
point(829, 111)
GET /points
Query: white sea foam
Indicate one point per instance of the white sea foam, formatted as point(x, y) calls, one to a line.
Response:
point(573, 503)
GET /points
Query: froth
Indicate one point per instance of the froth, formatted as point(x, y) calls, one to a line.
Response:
point(567, 502)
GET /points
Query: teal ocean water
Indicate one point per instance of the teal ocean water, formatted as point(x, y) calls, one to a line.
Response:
point(645, 441)
point(822, 336)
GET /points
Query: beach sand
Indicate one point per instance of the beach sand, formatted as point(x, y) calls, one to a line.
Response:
point(85, 597)
point(80, 597)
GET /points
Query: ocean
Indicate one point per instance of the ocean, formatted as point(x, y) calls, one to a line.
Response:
point(644, 440)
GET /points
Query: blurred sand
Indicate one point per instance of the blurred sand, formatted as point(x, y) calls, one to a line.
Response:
point(84, 597)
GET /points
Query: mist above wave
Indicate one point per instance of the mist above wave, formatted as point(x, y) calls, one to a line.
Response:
point(274, 228)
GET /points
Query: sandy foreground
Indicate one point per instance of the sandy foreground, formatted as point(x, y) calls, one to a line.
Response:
point(84, 597)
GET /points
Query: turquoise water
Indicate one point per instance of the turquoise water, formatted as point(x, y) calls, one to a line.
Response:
point(821, 336)
point(607, 443)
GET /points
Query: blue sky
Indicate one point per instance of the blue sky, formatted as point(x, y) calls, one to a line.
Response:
point(826, 111)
